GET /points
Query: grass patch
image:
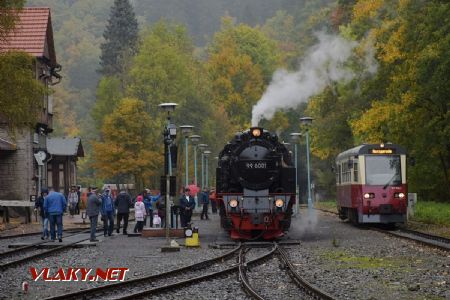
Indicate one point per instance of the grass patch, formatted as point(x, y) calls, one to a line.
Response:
point(347, 260)
point(432, 213)
point(328, 205)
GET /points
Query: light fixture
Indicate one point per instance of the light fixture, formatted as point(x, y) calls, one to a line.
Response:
point(233, 203)
point(306, 120)
point(279, 203)
point(186, 129)
point(295, 136)
point(168, 107)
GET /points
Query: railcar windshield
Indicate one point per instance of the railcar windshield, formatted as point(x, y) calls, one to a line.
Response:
point(383, 170)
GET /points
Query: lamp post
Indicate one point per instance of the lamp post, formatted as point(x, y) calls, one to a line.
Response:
point(306, 121)
point(295, 136)
point(170, 132)
point(206, 154)
point(186, 130)
point(195, 139)
point(202, 147)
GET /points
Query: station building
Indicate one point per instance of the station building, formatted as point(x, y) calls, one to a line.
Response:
point(29, 158)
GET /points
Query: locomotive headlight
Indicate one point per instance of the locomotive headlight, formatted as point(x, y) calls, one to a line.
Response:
point(279, 203)
point(233, 203)
point(256, 132)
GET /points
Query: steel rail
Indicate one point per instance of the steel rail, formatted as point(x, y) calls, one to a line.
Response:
point(108, 287)
point(300, 281)
point(39, 255)
point(20, 249)
point(428, 236)
point(418, 237)
point(13, 236)
point(243, 277)
point(195, 280)
point(422, 237)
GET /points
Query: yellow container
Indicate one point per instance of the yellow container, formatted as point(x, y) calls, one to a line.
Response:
point(193, 241)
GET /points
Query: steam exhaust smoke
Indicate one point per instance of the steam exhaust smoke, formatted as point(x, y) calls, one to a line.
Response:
point(323, 65)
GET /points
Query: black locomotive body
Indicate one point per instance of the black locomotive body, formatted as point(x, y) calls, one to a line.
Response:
point(255, 186)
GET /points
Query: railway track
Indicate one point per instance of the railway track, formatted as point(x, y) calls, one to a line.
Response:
point(423, 238)
point(307, 288)
point(145, 283)
point(426, 239)
point(189, 275)
point(14, 236)
point(21, 250)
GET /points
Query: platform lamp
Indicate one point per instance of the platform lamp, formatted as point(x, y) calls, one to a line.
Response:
point(206, 154)
point(194, 140)
point(170, 132)
point(295, 137)
point(186, 130)
point(306, 122)
point(202, 147)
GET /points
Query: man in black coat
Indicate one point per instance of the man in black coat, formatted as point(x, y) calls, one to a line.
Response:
point(187, 205)
point(123, 203)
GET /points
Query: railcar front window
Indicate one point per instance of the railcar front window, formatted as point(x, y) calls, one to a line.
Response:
point(383, 170)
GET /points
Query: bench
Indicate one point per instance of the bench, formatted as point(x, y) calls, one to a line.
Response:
point(5, 204)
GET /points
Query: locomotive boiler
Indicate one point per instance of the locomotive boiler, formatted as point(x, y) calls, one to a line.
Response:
point(255, 186)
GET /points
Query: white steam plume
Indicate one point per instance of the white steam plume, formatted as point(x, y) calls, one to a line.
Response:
point(323, 64)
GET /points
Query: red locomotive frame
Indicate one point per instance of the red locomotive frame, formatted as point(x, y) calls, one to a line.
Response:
point(371, 184)
point(241, 226)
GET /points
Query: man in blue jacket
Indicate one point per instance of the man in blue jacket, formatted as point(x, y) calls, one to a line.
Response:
point(54, 207)
point(108, 211)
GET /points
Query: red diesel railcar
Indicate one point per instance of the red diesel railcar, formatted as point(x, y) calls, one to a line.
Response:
point(371, 184)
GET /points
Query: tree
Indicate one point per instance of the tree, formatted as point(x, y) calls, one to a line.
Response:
point(121, 38)
point(162, 71)
point(415, 108)
point(20, 94)
point(127, 148)
point(9, 16)
point(248, 41)
point(109, 94)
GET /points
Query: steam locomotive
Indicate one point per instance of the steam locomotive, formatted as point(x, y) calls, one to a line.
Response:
point(255, 185)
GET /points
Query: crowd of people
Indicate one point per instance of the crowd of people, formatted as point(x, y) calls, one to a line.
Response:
point(147, 207)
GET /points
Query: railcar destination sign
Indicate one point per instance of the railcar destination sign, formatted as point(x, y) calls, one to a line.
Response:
point(382, 151)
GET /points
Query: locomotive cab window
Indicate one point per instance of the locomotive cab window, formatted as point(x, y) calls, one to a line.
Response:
point(383, 170)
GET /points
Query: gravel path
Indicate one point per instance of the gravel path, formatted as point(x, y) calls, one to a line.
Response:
point(354, 263)
point(345, 261)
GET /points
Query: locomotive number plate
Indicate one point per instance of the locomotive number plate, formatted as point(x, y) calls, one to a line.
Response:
point(256, 165)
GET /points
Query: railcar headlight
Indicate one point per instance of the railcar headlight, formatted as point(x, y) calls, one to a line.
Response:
point(279, 203)
point(369, 195)
point(233, 203)
point(399, 195)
